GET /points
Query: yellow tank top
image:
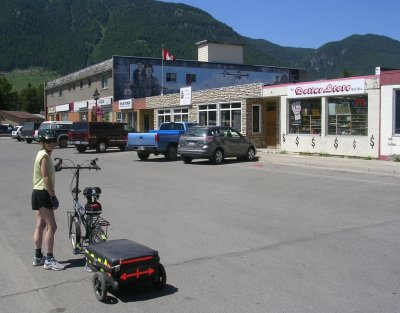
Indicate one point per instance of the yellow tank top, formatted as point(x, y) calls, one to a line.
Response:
point(38, 182)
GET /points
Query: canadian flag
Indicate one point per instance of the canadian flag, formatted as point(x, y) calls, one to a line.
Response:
point(167, 56)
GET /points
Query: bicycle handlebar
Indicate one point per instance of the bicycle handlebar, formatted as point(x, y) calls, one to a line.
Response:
point(61, 166)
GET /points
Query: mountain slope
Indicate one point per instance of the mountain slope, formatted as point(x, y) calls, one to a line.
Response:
point(359, 54)
point(67, 35)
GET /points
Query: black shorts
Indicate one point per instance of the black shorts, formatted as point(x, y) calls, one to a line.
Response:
point(41, 199)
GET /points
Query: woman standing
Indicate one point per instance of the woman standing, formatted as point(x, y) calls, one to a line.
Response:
point(44, 202)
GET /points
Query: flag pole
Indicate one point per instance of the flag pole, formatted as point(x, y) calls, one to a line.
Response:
point(162, 69)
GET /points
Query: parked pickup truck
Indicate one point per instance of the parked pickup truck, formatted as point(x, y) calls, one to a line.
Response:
point(162, 141)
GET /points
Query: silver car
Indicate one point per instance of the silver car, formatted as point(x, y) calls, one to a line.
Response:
point(215, 143)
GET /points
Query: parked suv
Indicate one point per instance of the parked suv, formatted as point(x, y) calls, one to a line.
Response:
point(99, 135)
point(58, 129)
point(215, 143)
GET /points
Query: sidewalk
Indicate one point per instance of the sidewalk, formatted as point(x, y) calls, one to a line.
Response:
point(335, 163)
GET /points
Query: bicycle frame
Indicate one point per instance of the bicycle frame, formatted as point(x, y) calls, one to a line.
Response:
point(95, 227)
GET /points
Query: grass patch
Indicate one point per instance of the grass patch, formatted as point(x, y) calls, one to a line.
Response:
point(35, 76)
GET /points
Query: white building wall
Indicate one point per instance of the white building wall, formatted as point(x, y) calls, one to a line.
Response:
point(390, 143)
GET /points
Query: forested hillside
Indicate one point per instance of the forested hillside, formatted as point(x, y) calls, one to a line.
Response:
point(67, 35)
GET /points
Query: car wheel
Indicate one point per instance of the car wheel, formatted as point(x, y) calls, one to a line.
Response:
point(101, 146)
point(143, 156)
point(122, 148)
point(187, 159)
point(251, 154)
point(80, 148)
point(171, 153)
point(19, 139)
point(217, 157)
point(63, 143)
point(29, 140)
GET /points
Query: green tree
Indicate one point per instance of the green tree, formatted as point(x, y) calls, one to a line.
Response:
point(8, 97)
point(31, 99)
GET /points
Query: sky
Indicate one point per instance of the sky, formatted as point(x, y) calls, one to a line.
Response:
point(304, 23)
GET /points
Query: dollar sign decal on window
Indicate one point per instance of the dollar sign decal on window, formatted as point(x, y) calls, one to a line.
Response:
point(354, 144)
point(372, 141)
point(336, 143)
point(297, 141)
point(313, 142)
point(283, 137)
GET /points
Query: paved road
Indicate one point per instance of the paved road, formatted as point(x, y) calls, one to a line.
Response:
point(266, 236)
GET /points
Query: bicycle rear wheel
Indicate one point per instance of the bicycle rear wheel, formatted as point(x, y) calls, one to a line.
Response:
point(98, 234)
point(76, 235)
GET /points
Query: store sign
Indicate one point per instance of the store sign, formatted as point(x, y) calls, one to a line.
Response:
point(51, 110)
point(79, 105)
point(62, 107)
point(328, 88)
point(104, 101)
point(125, 104)
point(186, 96)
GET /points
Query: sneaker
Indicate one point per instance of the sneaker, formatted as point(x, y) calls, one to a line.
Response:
point(38, 261)
point(52, 264)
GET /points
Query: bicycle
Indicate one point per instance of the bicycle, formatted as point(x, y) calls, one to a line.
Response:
point(85, 225)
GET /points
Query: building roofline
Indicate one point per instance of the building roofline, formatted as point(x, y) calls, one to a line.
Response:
point(83, 73)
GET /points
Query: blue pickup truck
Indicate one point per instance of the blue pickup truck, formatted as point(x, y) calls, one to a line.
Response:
point(162, 141)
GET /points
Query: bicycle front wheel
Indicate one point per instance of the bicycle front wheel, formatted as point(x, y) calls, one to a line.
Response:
point(98, 234)
point(76, 235)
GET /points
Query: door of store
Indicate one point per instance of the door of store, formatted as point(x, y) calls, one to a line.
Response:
point(270, 125)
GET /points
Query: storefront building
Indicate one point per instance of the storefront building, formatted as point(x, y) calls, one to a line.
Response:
point(356, 117)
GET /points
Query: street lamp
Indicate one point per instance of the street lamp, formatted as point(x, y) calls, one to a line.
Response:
point(96, 97)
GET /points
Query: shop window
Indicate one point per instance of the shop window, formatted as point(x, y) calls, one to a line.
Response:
point(181, 115)
point(230, 115)
point(208, 114)
point(305, 116)
point(256, 118)
point(190, 78)
point(348, 115)
point(104, 82)
point(397, 111)
point(164, 116)
point(171, 77)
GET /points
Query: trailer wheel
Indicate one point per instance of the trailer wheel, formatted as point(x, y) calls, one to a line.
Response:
point(161, 278)
point(100, 286)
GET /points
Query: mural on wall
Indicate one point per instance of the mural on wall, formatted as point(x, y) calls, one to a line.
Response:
point(142, 77)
